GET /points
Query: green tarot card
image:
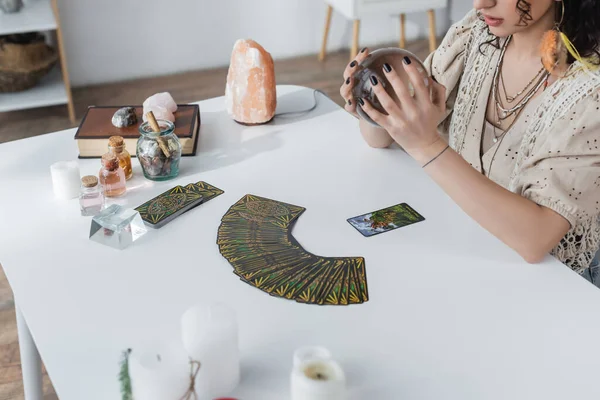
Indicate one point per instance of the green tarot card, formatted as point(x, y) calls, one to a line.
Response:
point(385, 220)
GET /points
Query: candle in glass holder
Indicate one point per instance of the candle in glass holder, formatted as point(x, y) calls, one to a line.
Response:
point(210, 336)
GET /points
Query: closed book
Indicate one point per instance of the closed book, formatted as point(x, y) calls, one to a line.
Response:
point(96, 127)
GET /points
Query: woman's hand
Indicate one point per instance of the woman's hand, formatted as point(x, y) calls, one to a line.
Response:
point(374, 136)
point(413, 122)
point(348, 85)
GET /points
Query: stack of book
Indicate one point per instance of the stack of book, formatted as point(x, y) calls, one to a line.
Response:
point(96, 127)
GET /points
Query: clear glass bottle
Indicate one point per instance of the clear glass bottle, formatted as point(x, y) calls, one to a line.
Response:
point(116, 144)
point(91, 197)
point(112, 176)
point(159, 152)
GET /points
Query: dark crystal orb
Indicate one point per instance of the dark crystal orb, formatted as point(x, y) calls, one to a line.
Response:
point(373, 66)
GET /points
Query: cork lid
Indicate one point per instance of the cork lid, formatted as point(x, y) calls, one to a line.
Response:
point(89, 181)
point(110, 161)
point(116, 141)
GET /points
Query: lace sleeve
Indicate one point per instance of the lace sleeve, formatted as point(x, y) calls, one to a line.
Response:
point(447, 63)
point(563, 174)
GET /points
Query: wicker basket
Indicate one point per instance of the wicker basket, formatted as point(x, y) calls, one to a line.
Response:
point(22, 65)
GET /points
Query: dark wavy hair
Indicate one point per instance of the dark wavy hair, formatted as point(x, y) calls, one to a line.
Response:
point(581, 24)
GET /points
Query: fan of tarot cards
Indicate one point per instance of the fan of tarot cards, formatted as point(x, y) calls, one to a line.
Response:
point(255, 237)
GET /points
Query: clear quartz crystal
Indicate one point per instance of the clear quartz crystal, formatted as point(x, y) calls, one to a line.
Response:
point(91, 200)
point(117, 227)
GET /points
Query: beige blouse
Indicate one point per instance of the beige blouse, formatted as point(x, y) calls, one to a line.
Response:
point(551, 153)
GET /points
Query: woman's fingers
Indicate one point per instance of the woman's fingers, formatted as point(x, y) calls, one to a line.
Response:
point(419, 82)
point(350, 106)
point(346, 93)
point(380, 118)
point(348, 85)
point(360, 57)
point(406, 101)
point(346, 88)
point(386, 101)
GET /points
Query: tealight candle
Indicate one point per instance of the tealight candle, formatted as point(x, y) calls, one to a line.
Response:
point(65, 179)
point(210, 336)
point(159, 373)
point(318, 378)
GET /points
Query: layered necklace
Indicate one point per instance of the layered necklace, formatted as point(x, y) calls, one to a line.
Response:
point(504, 112)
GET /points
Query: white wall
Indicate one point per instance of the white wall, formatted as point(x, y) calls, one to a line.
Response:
point(459, 8)
point(112, 40)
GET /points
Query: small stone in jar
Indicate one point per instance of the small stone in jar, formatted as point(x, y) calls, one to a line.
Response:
point(167, 167)
point(173, 146)
point(156, 166)
point(149, 148)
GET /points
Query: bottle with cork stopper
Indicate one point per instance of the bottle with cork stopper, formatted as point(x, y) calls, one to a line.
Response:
point(112, 176)
point(91, 198)
point(116, 145)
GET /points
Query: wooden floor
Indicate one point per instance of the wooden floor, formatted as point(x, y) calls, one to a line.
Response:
point(185, 87)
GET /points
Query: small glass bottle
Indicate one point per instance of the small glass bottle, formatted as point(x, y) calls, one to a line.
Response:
point(116, 144)
point(112, 176)
point(91, 198)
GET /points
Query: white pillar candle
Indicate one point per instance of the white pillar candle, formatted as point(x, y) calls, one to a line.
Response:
point(318, 379)
point(210, 336)
point(65, 179)
point(159, 372)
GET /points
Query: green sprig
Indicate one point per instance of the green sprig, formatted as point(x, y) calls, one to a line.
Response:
point(124, 378)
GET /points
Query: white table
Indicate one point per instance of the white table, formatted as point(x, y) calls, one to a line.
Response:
point(453, 313)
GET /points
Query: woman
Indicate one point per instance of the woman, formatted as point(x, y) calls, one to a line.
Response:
point(518, 146)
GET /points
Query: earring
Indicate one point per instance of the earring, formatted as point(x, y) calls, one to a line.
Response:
point(556, 47)
point(553, 49)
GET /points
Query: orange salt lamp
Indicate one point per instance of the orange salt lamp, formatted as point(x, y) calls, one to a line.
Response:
point(250, 92)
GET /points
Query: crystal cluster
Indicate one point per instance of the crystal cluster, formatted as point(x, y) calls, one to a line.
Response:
point(162, 106)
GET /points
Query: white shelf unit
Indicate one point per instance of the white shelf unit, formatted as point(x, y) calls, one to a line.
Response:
point(49, 92)
point(53, 89)
point(36, 15)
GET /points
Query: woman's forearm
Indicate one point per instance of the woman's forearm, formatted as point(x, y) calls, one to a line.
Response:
point(528, 228)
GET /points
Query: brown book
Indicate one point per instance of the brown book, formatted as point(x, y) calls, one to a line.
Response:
point(96, 127)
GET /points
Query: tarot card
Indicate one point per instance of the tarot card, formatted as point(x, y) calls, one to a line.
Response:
point(360, 279)
point(167, 206)
point(385, 220)
point(261, 209)
point(207, 191)
point(310, 284)
point(271, 275)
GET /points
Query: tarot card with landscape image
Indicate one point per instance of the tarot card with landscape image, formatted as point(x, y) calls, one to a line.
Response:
point(385, 220)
